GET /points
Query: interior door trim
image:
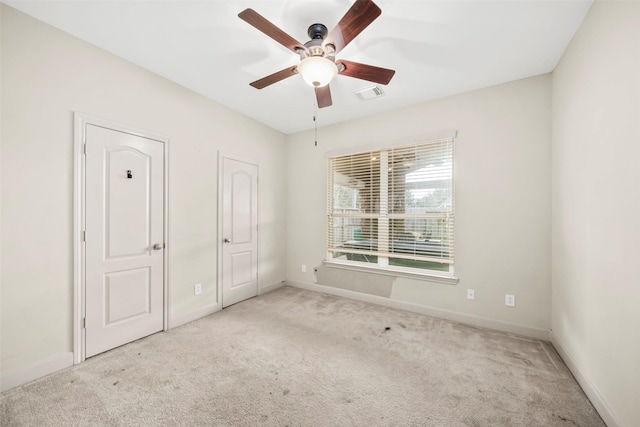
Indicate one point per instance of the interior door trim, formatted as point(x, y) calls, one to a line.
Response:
point(221, 157)
point(81, 120)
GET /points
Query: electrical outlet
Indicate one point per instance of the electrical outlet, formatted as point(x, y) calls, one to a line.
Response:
point(471, 294)
point(304, 268)
point(197, 289)
point(510, 300)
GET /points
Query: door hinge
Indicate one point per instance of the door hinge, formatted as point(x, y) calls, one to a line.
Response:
point(84, 149)
point(84, 323)
point(84, 236)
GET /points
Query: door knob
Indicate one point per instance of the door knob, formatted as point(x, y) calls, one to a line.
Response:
point(227, 240)
point(158, 246)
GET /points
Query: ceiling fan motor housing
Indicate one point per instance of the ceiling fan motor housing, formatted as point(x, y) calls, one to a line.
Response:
point(317, 31)
point(314, 47)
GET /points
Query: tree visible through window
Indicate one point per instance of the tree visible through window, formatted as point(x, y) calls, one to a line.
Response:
point(393, 208)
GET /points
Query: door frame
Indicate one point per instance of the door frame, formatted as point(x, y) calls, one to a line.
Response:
point(221, 156)
point(81, 120)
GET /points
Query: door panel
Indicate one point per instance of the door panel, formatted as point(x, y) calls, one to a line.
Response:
point(128, 221)
point(124, 218)
point(240, 231)
point(241, 196)
point(127, 294)
point(241, 269)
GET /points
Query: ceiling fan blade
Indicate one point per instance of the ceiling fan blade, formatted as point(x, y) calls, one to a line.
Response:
point(366, 72)
point(323, 95)
point(274, 78)
point(361, 14)
point(261, 23)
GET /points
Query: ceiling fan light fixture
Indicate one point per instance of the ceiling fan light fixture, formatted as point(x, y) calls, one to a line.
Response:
point(317, 71)
point(317, 64)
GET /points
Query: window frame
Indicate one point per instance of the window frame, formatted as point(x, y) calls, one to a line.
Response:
point(382, 265)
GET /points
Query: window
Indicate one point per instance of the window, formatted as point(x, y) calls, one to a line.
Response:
point(393, 208)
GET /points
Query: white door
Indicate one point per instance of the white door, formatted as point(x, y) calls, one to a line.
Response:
point(124, 222)
point(239, 231)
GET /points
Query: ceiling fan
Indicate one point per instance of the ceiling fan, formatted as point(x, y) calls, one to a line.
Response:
point(318, 65)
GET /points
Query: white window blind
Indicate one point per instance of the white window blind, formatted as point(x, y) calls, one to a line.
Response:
point(393, 206)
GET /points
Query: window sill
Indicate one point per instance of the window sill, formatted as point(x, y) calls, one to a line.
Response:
point(395, 271)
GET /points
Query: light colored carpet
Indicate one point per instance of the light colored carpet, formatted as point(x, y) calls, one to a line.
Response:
point(299, 358)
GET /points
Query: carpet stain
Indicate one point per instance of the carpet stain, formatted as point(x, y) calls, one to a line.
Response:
point(286, 391)
point(524, 359)
point(116, 383)
point(565, 419)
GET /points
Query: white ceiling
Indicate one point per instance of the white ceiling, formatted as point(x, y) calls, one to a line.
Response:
point(438, 48)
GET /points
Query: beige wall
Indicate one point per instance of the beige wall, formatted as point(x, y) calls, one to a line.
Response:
point(502, 187)
point(46, 76)
point(596, 208)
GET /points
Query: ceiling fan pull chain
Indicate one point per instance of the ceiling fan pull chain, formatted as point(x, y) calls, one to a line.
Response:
point(315, 121)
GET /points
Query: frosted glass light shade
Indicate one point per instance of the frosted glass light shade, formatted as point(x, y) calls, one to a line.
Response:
point(317, 71)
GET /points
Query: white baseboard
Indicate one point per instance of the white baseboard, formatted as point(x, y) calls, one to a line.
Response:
point(587, 386)
point(65, 360)
point(35, 371)
point(175, 321)
point(469, 319)
point(266, 289)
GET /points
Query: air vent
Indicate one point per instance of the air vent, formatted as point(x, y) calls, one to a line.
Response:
point(369, 92)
